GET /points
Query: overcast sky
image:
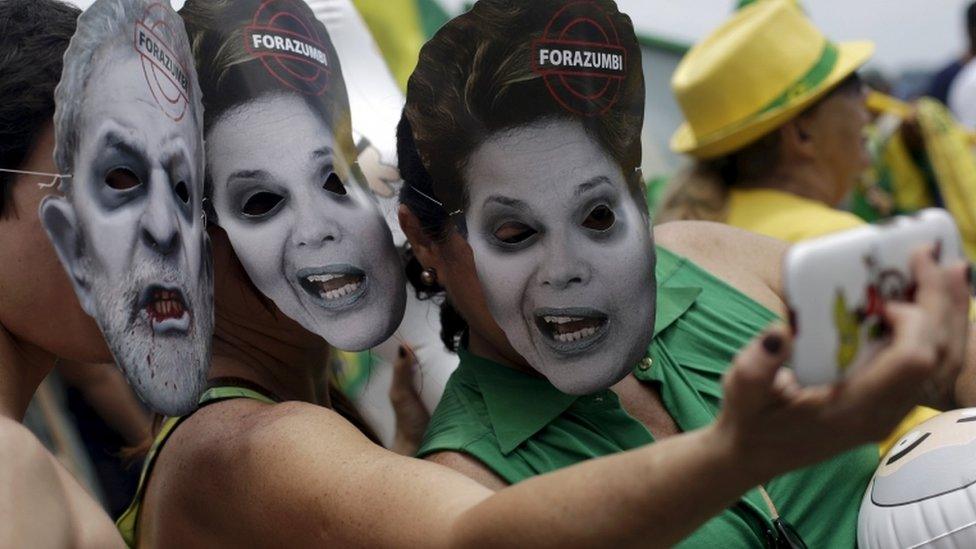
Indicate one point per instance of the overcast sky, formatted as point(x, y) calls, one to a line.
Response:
point(909, 33)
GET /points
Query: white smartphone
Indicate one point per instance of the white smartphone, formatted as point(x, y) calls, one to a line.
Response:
point(836, 288)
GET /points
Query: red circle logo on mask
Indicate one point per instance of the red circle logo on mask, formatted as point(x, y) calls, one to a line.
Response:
point(290, 46)
point(581, 59)
point(166, 77)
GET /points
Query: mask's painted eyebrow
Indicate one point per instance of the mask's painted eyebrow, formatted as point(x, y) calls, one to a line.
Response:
point(322, 152)
point(592, 184)
point(507, 202)
point(966, 419)
point(118, 142)
point(260, 175)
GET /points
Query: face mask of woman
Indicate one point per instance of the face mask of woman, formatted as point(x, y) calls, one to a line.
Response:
point(563, 252)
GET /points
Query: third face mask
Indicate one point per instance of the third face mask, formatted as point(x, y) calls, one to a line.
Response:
point(534, 150)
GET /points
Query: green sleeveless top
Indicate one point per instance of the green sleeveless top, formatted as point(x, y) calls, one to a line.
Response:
point(519, 425)
point(129, 520)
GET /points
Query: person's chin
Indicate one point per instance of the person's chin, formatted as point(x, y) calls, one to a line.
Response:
point(587, 375)
point(594, 368)
point(168, 378)
point(361, 329)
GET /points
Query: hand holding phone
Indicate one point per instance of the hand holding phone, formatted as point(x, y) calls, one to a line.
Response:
point(837, 286)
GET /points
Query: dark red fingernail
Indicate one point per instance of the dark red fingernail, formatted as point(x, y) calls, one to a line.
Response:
point(772, 343)
point(911, 291)
point(937, 251)
point(402, 352)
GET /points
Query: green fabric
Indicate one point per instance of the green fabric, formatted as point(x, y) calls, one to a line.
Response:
point(811, 80)
point(519, 425)
point(129, 520)
point(432, 16)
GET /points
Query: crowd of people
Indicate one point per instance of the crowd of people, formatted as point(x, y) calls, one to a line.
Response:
point(180, 197)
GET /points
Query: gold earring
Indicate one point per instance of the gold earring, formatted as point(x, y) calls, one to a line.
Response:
point(429, 277)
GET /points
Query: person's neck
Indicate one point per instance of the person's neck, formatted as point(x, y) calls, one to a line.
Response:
point(806, 182)
point(480, 346)
point(289, 367)
point(22, 369)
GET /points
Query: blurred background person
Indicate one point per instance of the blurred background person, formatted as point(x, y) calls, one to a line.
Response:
point(943, 80)
point(775, 118)
point(955, 85)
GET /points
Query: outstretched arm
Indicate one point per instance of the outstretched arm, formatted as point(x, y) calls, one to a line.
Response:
point(319, 481)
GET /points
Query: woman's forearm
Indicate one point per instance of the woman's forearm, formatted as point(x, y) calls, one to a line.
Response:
point(650, 497)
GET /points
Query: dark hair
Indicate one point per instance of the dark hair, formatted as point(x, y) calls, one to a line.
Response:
point(971, 26)
point(33, 37)
point(231, 76)
point(475, 78)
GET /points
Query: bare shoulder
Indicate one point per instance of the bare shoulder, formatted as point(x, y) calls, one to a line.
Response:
point(28, 482)
point(470, 467)
point(293, 475)
point(749, 262)
point(245, 462)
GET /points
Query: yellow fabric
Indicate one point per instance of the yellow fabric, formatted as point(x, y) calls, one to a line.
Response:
point(792, 218)
point(909, 186)
point(395, 25)
point(785, 216)
point(726, 82)
point(949, 151)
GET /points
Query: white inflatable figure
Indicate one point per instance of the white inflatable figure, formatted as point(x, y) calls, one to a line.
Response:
point(376, 102)
point(924, 492)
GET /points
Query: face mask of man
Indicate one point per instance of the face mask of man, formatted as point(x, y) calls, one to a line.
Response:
point(130, 229)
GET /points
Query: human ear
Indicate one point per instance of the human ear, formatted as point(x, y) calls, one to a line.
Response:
point(425, 248)
point(61, 225)
point(797, 136)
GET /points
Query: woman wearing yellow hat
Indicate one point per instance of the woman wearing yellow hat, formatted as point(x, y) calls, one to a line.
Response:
point(774, 123)
point(775, 116)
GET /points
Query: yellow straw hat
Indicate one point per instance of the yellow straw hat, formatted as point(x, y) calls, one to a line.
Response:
point(760, 69)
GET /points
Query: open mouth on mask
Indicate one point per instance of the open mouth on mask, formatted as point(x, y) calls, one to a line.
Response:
point(571, 330)
point(334, 287)
point(166, 309)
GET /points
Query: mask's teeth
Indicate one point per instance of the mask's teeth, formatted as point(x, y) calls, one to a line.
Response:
point(324, 277)
point(341, 291)
point(561, 319)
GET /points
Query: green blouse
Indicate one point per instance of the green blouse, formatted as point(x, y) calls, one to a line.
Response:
point(519, 425)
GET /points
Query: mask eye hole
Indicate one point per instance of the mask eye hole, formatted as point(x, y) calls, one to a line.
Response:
point(906, 445)
point(122, 179)
point(334, 185)
point(513, 232)
point(600, 218)
point(182, 192)
point(261, 203)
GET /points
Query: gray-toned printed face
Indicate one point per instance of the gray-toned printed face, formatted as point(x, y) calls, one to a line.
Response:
point(563, 251)
point(131, 233)
point(309, 236)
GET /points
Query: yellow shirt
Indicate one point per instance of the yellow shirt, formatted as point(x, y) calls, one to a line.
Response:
point(786, 216)
point(793, 218)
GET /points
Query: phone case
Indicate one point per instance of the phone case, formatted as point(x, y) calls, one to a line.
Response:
point(836, 288)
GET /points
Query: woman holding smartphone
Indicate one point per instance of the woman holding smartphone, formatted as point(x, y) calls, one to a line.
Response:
point(527, 209)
